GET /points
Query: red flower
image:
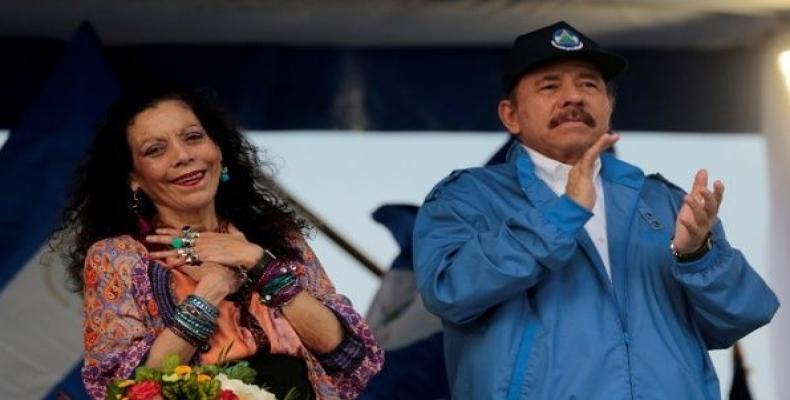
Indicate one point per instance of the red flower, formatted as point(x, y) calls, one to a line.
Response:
point(227, 395)
point(144, 390)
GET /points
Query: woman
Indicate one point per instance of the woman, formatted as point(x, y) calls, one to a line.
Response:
point(180, 248)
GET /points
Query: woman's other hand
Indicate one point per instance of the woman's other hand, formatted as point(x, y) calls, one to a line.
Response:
point(215, 281)
point(230, 249)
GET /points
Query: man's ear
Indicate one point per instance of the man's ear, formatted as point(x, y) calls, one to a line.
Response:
point(508, 114)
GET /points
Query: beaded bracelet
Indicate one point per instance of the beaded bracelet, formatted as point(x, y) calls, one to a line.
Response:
point(279, 283)
point(196, 324)
point(202, 346)
point(281, 297)
point(200, 333)
point(203, 305)
point(195, 321)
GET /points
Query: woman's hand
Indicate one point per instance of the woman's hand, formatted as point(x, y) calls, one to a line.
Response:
point(230, 249)
point(215, 281)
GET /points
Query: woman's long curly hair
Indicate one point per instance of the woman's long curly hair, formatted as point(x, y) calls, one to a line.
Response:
point(99, 205)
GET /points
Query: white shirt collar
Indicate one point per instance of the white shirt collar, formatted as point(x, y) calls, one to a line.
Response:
point(555, 175)
point(553, 172)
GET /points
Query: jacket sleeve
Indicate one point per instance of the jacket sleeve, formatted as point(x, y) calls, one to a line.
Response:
point(727, 297)
point(117, 326)
point(468, 260)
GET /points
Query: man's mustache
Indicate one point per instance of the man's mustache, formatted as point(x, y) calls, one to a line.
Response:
point(572, 114)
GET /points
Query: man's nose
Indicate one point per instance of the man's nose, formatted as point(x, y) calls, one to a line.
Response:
point(571, 95)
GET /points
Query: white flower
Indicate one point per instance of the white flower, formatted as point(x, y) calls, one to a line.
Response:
point(242, 390)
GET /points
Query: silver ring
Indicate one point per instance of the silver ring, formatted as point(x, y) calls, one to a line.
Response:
point(188, 236)
point(191, 256)
point(188, 232)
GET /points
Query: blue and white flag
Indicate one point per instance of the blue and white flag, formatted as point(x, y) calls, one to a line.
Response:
point(411, 336)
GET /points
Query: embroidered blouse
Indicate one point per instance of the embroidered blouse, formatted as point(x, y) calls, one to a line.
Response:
point(127, 303)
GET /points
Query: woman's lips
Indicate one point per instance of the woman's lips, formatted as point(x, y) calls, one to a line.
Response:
point(190, 179)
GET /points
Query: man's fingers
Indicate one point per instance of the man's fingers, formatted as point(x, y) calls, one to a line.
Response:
point(690, 225)
point(697, 206)
point(604, 142)
point(718, 193)
point(711, 205)
point(700, 179)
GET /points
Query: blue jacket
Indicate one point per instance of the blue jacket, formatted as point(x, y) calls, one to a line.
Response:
point(530, 313)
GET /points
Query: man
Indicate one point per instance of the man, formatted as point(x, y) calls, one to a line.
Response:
point(566, 273)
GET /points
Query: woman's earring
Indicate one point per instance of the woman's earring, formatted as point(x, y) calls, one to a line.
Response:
point(224, 175)
point(136, 203)
point(136, 206)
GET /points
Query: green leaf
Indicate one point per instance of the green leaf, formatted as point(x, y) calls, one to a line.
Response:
point(170, 363)
point(113, 390)
point(292, 394)
point(241, 371)
point(210, 388)
point(146, 374)
point(191, 389)
point(171, 392)
point(210, 370)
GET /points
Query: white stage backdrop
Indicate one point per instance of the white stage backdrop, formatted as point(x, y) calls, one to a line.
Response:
point(344, 176)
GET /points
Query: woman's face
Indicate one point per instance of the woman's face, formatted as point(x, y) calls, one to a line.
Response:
point(174, 160)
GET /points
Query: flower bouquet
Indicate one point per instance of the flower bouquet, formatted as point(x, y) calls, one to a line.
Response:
point(203, 382)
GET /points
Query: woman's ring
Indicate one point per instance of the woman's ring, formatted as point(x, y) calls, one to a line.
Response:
point(191, 256)
point(187, 238)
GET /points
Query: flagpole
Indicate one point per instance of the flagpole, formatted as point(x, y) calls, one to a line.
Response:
point(330, 232)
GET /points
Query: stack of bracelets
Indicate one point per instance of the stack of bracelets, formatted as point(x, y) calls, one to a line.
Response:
point(195, 320)
point(276, 281)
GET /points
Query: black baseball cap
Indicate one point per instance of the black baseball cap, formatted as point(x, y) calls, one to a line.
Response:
point(555, 42)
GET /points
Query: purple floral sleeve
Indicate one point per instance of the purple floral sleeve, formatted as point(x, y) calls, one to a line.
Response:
point(118, 310)
point(348, 383)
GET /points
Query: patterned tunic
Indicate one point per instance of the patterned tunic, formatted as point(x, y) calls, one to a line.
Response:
point(122, 317)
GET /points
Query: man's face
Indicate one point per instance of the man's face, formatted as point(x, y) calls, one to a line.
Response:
point(559, 110)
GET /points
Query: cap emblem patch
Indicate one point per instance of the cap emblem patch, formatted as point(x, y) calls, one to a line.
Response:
point(566, 39)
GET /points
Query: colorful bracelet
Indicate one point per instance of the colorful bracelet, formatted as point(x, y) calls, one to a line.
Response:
point(195, 321)
point(281, 297)
point(210, 309)
point(193, 328)
point(279, 283)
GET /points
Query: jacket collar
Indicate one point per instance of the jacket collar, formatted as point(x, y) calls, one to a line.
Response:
point(612, 169)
